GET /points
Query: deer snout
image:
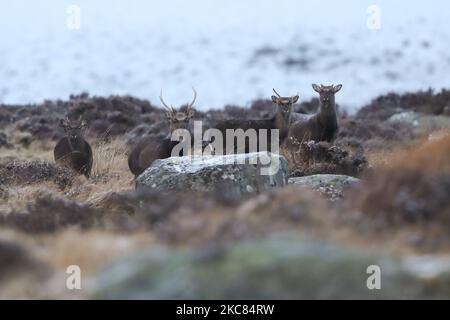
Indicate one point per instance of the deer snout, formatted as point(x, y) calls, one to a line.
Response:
point(73, 139)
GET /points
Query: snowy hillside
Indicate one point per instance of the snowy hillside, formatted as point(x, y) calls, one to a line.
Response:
point(231, 51)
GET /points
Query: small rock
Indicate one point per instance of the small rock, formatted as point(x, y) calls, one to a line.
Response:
point(330, 185)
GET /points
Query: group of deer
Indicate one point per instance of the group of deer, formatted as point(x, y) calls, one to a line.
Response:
point(75, 152)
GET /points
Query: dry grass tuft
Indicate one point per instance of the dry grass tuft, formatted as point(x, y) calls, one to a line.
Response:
point(48, 214)
point(431, 156)
point(110, 172)
point(91, 250)
point(411, 187)
point(110, 158)
point(24, 181)
point(16, 198)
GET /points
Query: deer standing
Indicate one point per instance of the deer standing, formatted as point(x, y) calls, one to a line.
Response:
point(321, 126)
point(151, 148)
point(73, 150)
point(279, 121)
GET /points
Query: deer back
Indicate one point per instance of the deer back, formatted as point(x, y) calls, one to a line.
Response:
point(147, 151)
point(312, 127)
point(257, 125)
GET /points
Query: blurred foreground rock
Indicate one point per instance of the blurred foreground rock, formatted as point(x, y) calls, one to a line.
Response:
point(331, 185)
point(277, 268)
point(236, 175)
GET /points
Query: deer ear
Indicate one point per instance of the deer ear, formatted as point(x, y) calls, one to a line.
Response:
point(316, 88)
point(295, 99)
point(337, 88)
point(274, 99)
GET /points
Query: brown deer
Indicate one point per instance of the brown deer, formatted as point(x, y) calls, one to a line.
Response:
point(280, 121)
point(321, 126)
point(151, 148)
point(73, 150)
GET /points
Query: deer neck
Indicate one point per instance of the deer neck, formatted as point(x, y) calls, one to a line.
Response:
point(76, 145)
point(71, 145)
point(327, 111)
point(282, 122)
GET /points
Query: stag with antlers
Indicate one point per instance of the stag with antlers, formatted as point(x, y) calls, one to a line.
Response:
point(151, 148)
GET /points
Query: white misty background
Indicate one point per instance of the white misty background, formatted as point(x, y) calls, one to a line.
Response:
point(232, 52)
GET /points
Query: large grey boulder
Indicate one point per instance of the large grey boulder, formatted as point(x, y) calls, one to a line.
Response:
point(234, 174)
point(330, 185)
point(275, 268)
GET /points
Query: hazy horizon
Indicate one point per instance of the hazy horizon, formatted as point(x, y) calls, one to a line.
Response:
point(231, 52)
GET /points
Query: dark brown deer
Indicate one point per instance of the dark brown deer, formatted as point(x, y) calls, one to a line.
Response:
point(280, 121)
point(321, 126)
point(151, 148)
point(73, 150)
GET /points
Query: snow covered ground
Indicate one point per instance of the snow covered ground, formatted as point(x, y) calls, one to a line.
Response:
point(232, 52)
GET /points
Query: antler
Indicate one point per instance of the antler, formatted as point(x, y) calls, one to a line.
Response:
point(170, 109)
point(276, 93)
point(193, 101)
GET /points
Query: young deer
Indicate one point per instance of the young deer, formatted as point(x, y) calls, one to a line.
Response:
point(280, 120)
point(321, 126)
point(73, 151)
point(151, 148)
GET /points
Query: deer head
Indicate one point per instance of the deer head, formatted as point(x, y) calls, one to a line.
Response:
point(284, 104)
point(179, 119)
point(326, 94)
point(73, 129)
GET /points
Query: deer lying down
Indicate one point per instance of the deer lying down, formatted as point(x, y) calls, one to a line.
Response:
point(73, 151)
point(280, 121)
point(151, 148)
point(321, 126)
